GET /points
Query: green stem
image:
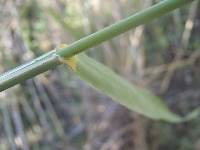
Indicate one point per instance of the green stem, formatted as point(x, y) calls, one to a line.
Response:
point(49, 60)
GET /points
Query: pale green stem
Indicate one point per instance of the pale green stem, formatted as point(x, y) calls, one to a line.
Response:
point(50, 60)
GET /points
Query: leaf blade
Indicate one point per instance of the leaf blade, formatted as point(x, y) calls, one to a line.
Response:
point(105, 80)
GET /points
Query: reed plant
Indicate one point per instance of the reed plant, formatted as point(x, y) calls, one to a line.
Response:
point(98, 75)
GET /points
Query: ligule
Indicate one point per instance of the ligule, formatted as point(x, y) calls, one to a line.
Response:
point(70, 62)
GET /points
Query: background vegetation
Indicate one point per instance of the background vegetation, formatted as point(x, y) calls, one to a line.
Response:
point(56, 110)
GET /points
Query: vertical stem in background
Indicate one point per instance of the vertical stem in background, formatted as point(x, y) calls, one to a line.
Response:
point(189, 24)
point(21, 139)
point(50, 109)
point(121, 49)
point(8, 127)
point(40, 112)
point(28, 111)
point(138, 57)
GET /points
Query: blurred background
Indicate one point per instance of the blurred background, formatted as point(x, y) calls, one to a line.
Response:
point(57, 111)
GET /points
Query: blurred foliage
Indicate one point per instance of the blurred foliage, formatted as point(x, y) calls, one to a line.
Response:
point(56, 110)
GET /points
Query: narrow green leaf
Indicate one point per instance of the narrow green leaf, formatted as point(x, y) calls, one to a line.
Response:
point(137, 99)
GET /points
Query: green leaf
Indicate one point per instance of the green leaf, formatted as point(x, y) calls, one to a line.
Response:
point(137, 99)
